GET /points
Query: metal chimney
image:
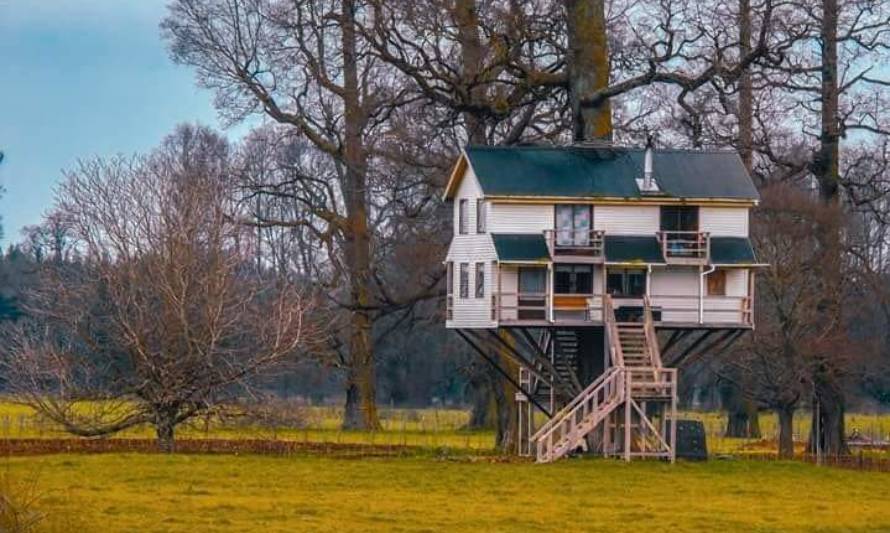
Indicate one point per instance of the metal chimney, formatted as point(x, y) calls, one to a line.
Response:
point(648, 184)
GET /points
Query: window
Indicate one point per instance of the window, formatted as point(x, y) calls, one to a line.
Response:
point(717, 283)
point(679, 218)
point(480, 216)
point(462, 222)
point(573, 279)
point(626, 283)
point(480, 280)
point(573, 225)
point(464, 280)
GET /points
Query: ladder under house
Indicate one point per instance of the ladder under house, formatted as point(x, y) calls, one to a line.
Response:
point(629, 411)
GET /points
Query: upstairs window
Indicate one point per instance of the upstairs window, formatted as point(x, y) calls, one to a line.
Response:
point(480, 280)
point(573, 279)
point(462, 222)
point(679, 218)
point(626, 282)
point(464, 280)
point(480, 216)
point(573, 225)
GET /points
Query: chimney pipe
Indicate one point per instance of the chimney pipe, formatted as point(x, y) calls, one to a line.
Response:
point(647, 165)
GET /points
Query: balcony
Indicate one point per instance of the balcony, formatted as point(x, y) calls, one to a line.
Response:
point(685, 247)
point(577, 246)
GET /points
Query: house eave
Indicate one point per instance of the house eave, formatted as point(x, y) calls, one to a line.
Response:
point(614, 200)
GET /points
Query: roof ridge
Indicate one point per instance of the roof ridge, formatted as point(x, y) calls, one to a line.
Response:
point(712, 150)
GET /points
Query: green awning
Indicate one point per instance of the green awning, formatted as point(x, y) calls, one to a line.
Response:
point(732, 251)
point(520, 247)
point(624, 249)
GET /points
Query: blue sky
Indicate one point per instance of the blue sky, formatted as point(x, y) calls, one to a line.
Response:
point(82, 78)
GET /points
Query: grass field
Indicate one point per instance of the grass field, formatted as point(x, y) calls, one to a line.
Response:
point(427, 428)
point(133, 492)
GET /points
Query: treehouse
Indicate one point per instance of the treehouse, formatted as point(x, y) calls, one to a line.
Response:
point(597, 270)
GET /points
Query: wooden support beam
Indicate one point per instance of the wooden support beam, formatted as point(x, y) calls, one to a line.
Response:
point(724, 342)
point(503, 372)
point(555, 381)
point(676, 336)
point(695, 344)
point(575, 384)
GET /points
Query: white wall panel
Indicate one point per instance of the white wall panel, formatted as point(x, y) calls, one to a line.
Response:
point(724, 221)
point(626, 220)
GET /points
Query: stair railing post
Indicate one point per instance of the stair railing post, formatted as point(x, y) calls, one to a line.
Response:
point(627, 415)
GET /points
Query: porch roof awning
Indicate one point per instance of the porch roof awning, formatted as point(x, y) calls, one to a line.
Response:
point(520, 247)
point(628, 249)
point(732, 251)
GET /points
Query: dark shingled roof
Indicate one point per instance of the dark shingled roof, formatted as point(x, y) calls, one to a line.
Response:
point(584, 171)
point(732, 251)
point(624, 249)
point(520, 247)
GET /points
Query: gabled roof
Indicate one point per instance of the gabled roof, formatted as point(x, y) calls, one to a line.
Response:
point(520, 247)
point(603, 172)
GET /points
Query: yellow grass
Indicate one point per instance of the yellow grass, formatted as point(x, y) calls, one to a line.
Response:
point(131, 492)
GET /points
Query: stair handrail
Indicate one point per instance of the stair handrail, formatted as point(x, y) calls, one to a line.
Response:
point(614, 343)
point(613, 377)
point(576, 401)
point(651, 335)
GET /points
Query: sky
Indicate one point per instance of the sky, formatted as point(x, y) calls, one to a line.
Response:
point(81, 78)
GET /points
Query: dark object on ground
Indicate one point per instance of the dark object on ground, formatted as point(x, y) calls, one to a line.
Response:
point(691, 442)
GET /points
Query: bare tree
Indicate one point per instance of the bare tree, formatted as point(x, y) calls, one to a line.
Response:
point(162, 317)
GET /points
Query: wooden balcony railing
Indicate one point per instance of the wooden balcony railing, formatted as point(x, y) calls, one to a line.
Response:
point(685, 247)
point(572, 242)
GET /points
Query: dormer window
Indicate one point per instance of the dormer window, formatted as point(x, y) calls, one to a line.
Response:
point(463, 223)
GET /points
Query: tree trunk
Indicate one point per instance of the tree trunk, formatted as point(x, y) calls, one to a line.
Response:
point(361, 397)
point(746, 93)
point(483, 414)
point(786, 432)
point(467, 20)
point(508, 412)
point(743, 421)
point(829, 411)
point(587, 60)
point(165, 426)
point(827, 430)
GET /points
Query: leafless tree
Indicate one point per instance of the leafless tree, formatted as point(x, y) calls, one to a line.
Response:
point(162, 318)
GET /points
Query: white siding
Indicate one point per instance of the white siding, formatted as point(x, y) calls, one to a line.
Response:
point(737, 282)
point(471, 248)
point(724, 221)
point(520, 218)
point(675, 291)
point(626, 220)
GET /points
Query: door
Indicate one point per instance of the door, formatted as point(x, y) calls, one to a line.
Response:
point(532, 299)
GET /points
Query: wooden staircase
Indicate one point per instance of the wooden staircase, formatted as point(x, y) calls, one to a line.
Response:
point(616, 402)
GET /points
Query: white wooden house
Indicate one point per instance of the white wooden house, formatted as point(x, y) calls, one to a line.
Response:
point(556, 247)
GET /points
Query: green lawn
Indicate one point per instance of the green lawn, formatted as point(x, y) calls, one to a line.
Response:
point(131, 492)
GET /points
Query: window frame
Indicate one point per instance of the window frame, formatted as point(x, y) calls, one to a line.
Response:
point(573, 278)
point(481, 220)
point(625, 274)
point(675, 213)
point(479, 282)
point(464, 281)
point(463, 216)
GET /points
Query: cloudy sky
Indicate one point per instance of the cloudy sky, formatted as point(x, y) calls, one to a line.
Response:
point(82, 78)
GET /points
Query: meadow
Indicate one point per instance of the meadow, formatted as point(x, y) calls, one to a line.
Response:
point(133, 492)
